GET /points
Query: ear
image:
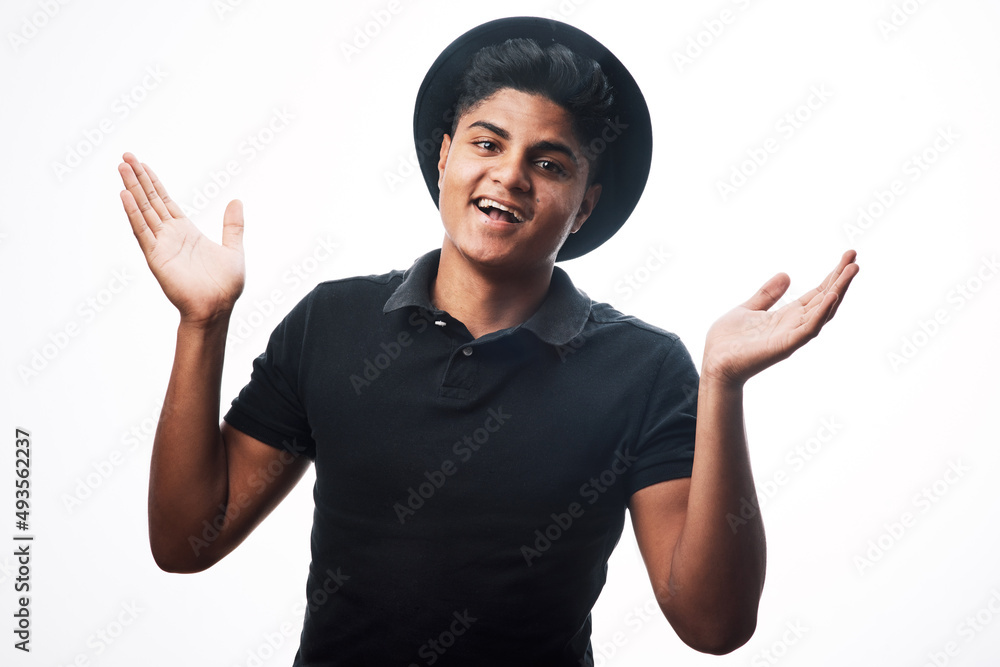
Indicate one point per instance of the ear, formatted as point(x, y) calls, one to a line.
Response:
point(590, 199)
point(443, 157)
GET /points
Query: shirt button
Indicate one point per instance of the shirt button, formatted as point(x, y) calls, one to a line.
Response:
point(467, 351)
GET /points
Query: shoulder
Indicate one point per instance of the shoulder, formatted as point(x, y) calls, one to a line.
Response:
point(347, 295)
point(613, 342)
point(604, 316)
point(340, 305)
point(356, 285)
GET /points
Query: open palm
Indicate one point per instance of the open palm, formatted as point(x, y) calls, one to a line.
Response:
point(201, 278)
point(749, 338)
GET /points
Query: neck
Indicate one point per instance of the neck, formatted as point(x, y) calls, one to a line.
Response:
point(486, 299)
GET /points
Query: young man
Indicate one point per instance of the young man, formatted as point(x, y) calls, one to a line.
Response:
point(477, 424)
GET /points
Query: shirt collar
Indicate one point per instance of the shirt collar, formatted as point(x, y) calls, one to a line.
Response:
point(559, 319)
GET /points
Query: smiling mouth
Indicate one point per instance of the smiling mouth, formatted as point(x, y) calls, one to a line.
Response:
point(498, 211)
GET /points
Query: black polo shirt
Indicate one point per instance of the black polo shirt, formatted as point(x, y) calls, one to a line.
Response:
point(468, 491)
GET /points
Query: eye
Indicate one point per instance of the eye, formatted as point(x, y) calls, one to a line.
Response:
point(486, 144)
point(549, 165)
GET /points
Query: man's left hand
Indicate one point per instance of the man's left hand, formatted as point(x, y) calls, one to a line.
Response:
point(749, 338)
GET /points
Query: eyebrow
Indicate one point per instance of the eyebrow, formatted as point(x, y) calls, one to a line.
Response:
point(556, 146)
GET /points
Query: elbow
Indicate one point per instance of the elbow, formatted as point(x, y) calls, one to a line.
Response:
point(176, 567)
point(181, 548)
point(173, 565)
point(716, 631)
point(720, 639)
point(176, 559)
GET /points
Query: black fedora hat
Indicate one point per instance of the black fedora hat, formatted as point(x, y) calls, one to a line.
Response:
point(626, 147)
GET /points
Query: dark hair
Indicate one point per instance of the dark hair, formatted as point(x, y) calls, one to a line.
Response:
point(569, 79)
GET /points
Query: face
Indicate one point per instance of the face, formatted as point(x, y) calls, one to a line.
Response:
point(513, 182)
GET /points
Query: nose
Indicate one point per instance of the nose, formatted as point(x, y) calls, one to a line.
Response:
point(510, 170)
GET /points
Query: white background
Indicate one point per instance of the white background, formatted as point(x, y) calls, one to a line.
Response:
point(337, 173)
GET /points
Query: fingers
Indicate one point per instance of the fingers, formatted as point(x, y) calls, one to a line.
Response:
point(830, 294)
point(834, 281)
point(845, 259)
point(232, 226)
point(138, 198)
point(172, 206)
point(141, 187)
point(815, 319)
point(843, 282)
point(139, 227)
point(838, 281)
point(769, 294)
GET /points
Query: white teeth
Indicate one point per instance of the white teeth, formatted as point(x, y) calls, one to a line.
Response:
point(489, 202)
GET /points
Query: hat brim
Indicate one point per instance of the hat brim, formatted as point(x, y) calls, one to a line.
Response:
point(626, 145)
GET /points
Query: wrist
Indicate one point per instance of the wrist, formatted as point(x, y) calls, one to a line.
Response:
point(719, 378)
point(208, 324)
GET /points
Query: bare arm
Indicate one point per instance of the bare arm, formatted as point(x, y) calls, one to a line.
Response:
point(205, 494)
point(705, 551)
point(706, 560)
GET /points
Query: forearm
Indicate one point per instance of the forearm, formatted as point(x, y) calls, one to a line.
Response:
point(710, 577)
point(188, 481)
point(717, 570)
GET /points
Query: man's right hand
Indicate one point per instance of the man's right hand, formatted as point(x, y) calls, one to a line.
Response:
point(201, 278)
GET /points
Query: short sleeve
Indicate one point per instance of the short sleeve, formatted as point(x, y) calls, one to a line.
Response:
point(665, 445)
point(270, 406)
